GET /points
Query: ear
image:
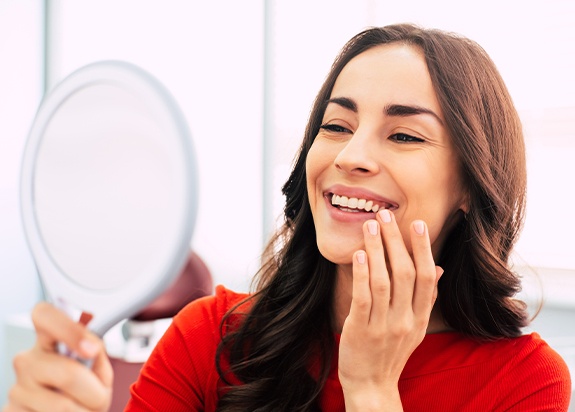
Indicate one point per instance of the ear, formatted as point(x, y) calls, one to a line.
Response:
point(465, 202)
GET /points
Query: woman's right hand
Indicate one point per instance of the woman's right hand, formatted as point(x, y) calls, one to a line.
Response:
point(48, 381)
point(389, 314)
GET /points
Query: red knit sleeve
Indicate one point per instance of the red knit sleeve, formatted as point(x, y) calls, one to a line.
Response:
point(180, 374)
point(538, 379)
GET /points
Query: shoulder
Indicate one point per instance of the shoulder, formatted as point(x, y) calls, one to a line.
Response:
point(459, 350)
point(526, 354)
point(211, 308)
point(180, 374)
point(197, 328)
point(536, 373)
point(522, 373)
point(530, 354)
point(208, 312)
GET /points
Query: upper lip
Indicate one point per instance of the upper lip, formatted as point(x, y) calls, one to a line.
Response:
point(360, 193)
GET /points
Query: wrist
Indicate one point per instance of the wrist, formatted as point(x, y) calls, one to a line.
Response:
point(376, 398)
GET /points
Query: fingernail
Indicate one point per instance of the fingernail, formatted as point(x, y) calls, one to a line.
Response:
point(419, 227)
point(89, 348)
point(385, 215)
point(360, 257)
point(372, 227)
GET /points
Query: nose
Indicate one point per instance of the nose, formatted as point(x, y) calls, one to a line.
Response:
point(358, 156)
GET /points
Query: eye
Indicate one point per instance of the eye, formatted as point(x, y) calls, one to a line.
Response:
point(334, 128)
point(405, 138)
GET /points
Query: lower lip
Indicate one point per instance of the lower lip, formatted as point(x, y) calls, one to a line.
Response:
point(341, 216)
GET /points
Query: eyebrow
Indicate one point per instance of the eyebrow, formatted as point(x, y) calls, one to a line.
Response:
point(397, 110)
point(404, 111)
point(344, 102)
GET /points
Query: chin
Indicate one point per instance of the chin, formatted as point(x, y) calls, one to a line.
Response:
point(338, 254)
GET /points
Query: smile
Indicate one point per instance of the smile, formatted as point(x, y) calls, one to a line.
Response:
point(355, 204)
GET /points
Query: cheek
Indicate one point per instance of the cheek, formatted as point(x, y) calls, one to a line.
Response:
point(311, 173)
point(434, 198)
point(318, 161)
point(436, 218)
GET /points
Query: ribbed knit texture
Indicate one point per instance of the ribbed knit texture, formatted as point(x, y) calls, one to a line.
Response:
point(447, 372)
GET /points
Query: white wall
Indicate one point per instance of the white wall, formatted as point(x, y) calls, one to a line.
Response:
point(210, 56)
point(20, 91)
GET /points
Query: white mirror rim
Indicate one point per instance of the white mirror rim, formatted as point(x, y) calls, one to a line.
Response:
point(108, 190)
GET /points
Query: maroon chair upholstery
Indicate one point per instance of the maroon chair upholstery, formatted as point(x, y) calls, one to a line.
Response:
point(194, 281)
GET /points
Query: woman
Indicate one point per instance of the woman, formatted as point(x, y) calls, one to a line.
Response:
point(391, 288)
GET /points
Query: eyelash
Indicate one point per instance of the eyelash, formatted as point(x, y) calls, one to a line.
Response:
point(406, 138)
point(334, 128)
point(401, 138)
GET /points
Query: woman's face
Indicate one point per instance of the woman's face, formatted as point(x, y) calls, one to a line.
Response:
point(382, 144)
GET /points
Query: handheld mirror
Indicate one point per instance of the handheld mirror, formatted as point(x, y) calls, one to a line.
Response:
point(108, 192)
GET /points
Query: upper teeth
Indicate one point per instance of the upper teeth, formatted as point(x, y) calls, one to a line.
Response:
point(354, 203)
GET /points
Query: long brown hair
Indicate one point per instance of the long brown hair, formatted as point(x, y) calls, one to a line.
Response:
point(289, 326)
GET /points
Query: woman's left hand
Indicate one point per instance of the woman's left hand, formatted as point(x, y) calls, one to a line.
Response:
point(389, 312)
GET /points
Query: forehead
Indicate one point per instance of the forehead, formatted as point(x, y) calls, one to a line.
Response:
point(388, 74)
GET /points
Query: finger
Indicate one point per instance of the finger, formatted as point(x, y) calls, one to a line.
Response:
point(39, 399)
point(69, 377)
point(103, 369)
point(400, 262)
point(14, 403)
point(15, 408)
point(379, 282)
point(361, 295)
point(53, 326)
point(426, 279)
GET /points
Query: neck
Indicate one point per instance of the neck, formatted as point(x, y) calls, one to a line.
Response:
point(342, 303)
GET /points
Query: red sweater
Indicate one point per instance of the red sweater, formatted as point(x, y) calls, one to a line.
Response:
point(447, 372)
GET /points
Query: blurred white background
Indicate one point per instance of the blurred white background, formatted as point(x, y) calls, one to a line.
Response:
point(245, 74)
